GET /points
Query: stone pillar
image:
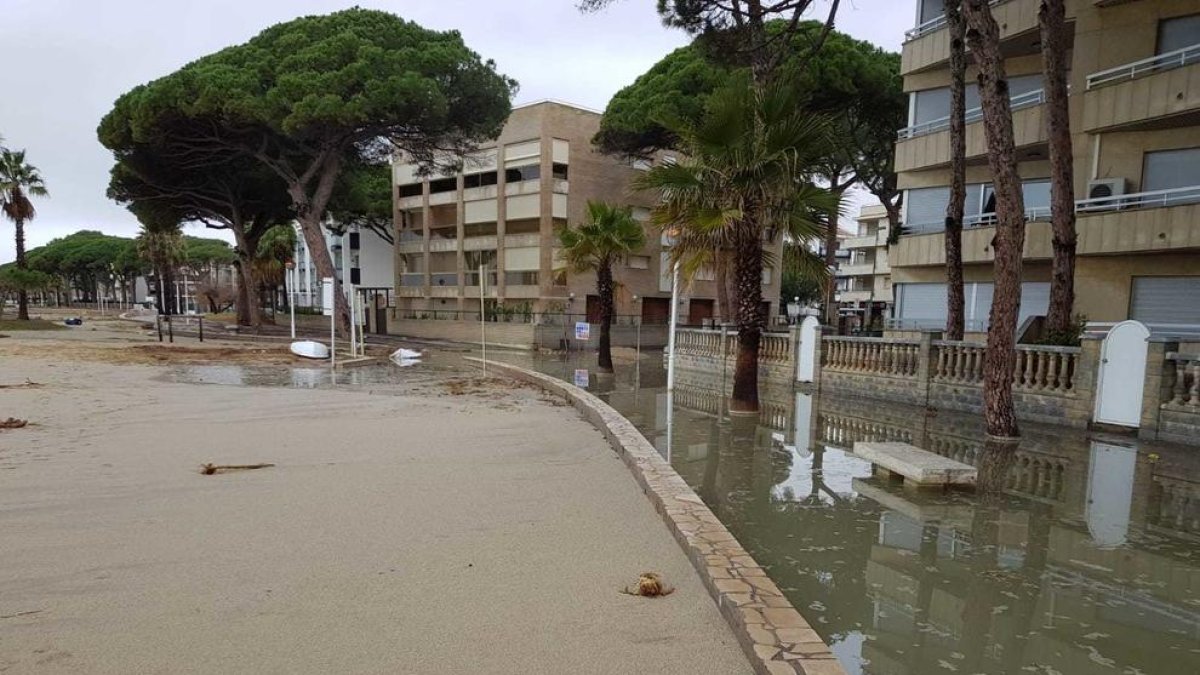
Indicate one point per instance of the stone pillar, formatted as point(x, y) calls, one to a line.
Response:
point(1157, 384)
point(924, 363)
point(1087, 371)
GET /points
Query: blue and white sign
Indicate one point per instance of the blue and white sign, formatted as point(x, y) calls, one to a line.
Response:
point(583, 331)
point(581, 378)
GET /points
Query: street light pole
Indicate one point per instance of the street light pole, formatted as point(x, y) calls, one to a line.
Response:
point(671, 329)
point(291, 292)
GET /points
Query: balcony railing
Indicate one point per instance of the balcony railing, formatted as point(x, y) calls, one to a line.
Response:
point(1141, 200)
point(412, 279)
point(1026, 100)
point(1154, 64)
point(935, 24)
point(1137, 200)
point(444, 279)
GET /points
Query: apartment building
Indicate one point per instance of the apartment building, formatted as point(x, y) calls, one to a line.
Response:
point(500, 214)
point(864, 280)
point(1135, 122)
point(361, 256)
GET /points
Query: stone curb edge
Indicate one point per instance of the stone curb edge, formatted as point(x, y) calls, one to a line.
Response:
point(774, 636)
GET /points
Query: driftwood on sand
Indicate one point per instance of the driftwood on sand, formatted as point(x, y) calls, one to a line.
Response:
point(210, 469)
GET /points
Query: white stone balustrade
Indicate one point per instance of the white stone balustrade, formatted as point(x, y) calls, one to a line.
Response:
point(878, 356)
point(1185, 392)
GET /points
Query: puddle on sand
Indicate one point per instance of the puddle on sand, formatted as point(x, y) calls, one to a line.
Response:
point(1086, 559)
point(384, 377)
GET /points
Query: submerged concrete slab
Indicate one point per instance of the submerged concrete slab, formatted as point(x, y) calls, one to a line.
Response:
point(916, 465)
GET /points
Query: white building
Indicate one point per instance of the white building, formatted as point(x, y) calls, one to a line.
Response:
point(361, 257)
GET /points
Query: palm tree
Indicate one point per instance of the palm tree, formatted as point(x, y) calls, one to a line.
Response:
point(18, 182)
point(745, 181)
point(610, 234)
point(277, 246)
point(164, 249)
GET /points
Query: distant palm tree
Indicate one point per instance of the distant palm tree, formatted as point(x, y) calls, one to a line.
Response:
point(745, 181)
point(277, 246)
point(164, 249)
point(610, 234)
point(18, 182)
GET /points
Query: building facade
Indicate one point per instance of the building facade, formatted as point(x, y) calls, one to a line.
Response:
point(864, 291)
point(361, 257)
point(1135, 124)
point(500, 213)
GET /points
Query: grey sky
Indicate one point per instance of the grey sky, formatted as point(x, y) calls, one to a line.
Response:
point(72, 58)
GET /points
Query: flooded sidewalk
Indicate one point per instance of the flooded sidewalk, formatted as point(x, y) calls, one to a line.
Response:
point(1085, 560)
point(418, 520)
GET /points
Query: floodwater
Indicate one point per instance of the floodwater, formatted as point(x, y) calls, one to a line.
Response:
point(1085, 559)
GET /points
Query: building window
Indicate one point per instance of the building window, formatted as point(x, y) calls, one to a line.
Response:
point(522, 173)
point(560, 171)
point(930, 10)
point(411, 190)
point(1178, 33)
point(1170, 169)
point(443, 185)
point(354, 241)
point(639, 262)
point(475, 180)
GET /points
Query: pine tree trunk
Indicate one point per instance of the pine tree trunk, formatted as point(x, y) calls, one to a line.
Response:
point(22, 294)
point(831, 247)
point(604, 286)
point(958, 173)
point(983, 34)
point(1052, 22)
point(748, 270)
point(248, 310)
point(310, 211)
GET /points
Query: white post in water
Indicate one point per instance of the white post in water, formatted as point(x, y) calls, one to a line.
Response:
point(671, 328)
point(482, 319)
point(327, 308)
point(353, 320)
point(289, 280)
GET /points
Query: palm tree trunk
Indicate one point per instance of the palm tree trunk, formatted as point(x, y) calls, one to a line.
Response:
point(1052, 21)
point(983, 34)
point(958, 173)
point(721, 271)
point(22, 294)
point(748, 269)
point(831, 246)
point(604, 286)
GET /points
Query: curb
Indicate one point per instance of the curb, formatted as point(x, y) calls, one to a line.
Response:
point(774, 636)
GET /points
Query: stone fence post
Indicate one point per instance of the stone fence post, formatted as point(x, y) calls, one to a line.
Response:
point(1083, 383)
point(925, 363)
point(1157, 385)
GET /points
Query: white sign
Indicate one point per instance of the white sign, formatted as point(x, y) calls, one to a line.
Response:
point(583, 331)
point(327, 296)
point(581, 377)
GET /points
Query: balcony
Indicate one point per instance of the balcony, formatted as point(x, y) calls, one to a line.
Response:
point(522, 240)
point(480, 243)
point(928, 45)
point(1162, 220)
point(1160, 92)
point(927, 145)
point(412, 246)
point(443, 245)
point(865, 241)
point(856, 270)
point(853, 296)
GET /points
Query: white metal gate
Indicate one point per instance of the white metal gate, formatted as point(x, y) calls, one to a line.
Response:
point(1122, 374)
point(809, 336)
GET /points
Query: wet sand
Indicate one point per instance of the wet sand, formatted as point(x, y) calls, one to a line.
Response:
point(465, 528)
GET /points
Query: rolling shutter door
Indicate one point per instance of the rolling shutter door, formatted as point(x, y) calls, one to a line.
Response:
point(925, 209)
point(1166, 300)
point(922, 305)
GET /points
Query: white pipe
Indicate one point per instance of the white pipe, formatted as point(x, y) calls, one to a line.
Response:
point(671, 330)
point(1095, 156)
point(482, 321)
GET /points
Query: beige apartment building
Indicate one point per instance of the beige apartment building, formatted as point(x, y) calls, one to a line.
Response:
point(864, 279)
point(501, 213)
point(1135, 121)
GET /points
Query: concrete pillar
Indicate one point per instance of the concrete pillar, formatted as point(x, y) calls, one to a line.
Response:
point(1157, 384)
point(1086, 373)
point(924, 363)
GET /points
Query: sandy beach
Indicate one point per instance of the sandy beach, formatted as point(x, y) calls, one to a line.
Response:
point(452, 525)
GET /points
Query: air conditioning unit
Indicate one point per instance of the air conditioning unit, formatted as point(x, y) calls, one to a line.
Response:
point(1101, 189)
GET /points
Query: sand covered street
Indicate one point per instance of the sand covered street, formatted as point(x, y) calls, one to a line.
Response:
point(456, 525)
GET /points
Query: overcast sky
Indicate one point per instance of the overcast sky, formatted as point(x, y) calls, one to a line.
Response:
point(70, 59)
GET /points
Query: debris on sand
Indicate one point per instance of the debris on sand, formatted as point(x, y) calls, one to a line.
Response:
point(12, 423)
point(27, 384)
point(210, 469)
point(649, 585)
